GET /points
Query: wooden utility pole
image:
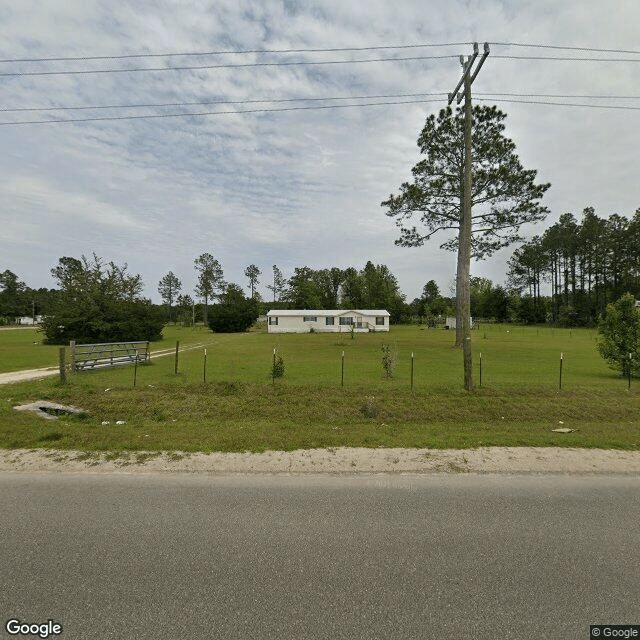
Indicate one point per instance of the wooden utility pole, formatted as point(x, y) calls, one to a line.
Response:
point(463, 293)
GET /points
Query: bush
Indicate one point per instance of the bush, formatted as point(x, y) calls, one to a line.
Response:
point(234, 313)
point(620, 331)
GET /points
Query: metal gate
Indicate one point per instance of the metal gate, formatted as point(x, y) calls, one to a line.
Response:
point(111, 354)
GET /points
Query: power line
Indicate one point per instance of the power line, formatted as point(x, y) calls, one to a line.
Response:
point(216, 113)
point(310, 50)
point(299, 63)
point(219, 66)
point(242, 52)
point(318, 107)
point(560, 95)
point(567, 104)
point(565, 58)
point(562, 47)
point(327, 98)
point(191, 104)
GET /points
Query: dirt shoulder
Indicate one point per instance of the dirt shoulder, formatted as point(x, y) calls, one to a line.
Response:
point(333, 461)
point(28, 374)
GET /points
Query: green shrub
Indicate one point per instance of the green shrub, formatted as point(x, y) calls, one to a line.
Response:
point(388, 361)
point(619, 329)
point(277, 368)
point(234, 313)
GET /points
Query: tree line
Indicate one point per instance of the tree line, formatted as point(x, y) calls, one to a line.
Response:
point(99, 301)
point(373, 287)
point(19, 300)
point(586, 264)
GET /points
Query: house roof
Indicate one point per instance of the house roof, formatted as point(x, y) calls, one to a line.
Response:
point(326, 312)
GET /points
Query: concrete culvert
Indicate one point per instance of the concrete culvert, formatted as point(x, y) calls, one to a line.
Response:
point(49, 410)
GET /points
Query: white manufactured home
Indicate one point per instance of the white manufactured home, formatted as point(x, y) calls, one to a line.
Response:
point(327, 320)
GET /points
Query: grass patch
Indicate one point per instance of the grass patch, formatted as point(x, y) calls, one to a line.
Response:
point(24, 349)
point(239, 409)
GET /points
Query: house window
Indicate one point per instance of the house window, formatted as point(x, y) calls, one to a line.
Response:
point(310, 318)
point(347, 320)
point(379, 320)
point(329, 320)
point(273, 320)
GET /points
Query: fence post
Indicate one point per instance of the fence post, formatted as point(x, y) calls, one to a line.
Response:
point(481, 368)
point(147, 357)
point(204, 375)
point(412, 371)
point(176, 366)
point(273, 368)
point(135, 369)
point(629, 387)
point(342, 381)
point(63, 372)
point(72, 344)
point(560, 382)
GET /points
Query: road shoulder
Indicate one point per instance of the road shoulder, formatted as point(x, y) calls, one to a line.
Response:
point(340, 460)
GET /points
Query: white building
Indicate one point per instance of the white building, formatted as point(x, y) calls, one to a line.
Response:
point(327, 320)
point(450, 323)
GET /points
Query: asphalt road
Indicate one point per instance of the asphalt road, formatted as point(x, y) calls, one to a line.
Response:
point(195, 556)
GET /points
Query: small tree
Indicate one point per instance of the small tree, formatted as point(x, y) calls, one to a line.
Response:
point(185, 308)
point(388, 361)
point(279, 283)
point(210, 279)
point(252, 272)
point(277, 367)
point(620, 335)
point(169, 288)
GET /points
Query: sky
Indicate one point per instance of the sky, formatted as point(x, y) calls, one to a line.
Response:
point(299, 187)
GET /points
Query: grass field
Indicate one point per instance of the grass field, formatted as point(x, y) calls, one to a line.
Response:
point(239, 409)
point(23, 348)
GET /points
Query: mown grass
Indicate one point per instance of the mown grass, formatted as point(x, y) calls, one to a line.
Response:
point(24, 348)
point(239, 409)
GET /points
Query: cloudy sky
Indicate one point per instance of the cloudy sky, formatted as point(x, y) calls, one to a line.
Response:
point(295, 187)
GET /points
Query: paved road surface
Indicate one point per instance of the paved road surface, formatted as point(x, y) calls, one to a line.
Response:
point(196, 556)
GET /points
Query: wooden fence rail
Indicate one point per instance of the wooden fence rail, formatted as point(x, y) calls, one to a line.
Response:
point(111, 354)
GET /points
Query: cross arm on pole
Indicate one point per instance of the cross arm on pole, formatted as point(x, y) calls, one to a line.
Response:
point(466, 69)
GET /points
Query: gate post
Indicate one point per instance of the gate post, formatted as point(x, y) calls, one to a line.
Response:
point(72, 344)
point(63, 373)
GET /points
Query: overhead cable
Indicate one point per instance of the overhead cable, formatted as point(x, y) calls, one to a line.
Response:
point(566, 104)
point(564, 58)
point(236, 52)
point(320, 99)
point(221, 66)
point(217, 113)
point(192, 104)
point(561, 47)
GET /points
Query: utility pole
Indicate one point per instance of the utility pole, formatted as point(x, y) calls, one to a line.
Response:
point(463, 297)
